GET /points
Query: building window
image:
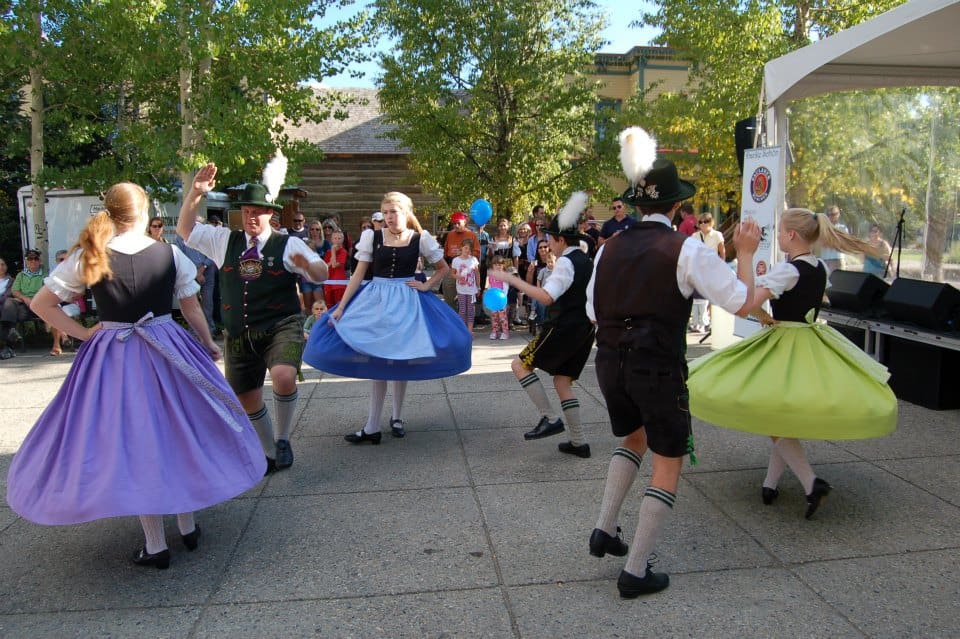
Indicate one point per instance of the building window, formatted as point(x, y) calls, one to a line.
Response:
point(605, 112)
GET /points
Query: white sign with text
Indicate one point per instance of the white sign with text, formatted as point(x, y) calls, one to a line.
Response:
point(761, 200)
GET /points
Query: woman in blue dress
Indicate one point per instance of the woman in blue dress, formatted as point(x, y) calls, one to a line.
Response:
point(394, 328)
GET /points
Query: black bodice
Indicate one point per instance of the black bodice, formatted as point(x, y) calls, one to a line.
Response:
point(794, 304)
point(395, 261)
point(143, 282)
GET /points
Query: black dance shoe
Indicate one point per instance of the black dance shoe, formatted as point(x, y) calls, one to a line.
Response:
point(396, 428)
point(544, 428)
point(284, 454)
point(631, 586)
point(601, 543)
point(583, 450)
point(769, 495)
point(159, 560)
point(271, 467)
point(820, 490)
point(192, 539)
point(360, 436)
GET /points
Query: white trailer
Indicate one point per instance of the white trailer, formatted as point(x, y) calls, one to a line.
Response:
point(67, 212)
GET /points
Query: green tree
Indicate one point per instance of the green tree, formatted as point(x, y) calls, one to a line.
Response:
point(168, 85)
point(727, 44)
point(491, 97)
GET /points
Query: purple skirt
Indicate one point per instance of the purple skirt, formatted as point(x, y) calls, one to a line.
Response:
point(144, 424)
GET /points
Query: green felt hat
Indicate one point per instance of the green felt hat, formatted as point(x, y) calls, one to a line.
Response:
point(257, 195)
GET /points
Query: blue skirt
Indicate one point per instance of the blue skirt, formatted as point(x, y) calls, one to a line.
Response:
point(391, 331)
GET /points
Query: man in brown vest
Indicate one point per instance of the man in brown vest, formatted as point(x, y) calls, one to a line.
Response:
point(261, 307)
point(641, 348)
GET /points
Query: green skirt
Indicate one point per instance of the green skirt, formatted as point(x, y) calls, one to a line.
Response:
point(794, 379)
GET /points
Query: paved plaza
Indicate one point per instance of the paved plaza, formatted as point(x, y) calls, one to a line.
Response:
point(463, 529)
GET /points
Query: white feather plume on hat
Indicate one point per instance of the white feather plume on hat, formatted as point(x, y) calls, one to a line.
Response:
point(274, 174)
point(569, 215)
point(638, 151)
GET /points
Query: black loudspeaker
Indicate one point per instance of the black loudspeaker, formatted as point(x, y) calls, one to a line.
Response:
point(923, 374)
point(929, 304)
point(855, 291)
point(743, 134)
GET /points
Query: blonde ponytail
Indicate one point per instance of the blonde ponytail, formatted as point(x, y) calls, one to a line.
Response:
point(123, 204)
point(94, 256)
point(817, 228)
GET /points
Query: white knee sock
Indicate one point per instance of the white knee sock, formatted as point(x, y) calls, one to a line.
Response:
point(655, 509)
point(571, 417)
point(286, 408)
point(185, 523)
point(620, 475)
point(792, 452)
point(153, 530)
point(775, 468)
point(538, 394)
point(399, 392)
point(264, 427)
point(378, 393)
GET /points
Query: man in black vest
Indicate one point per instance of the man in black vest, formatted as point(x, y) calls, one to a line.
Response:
point(260, 305)
point(641, 355)
point(564, 345)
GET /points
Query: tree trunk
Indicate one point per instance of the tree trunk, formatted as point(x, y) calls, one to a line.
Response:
point(935, 230)
point(38, 214)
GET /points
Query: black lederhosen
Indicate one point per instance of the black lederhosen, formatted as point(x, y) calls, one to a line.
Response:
point(641, 337)
point(567, 338)
point(560, 350)
point(641, 389)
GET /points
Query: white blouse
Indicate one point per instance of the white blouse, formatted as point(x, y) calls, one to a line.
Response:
point(783, 276)
point(66, 283)
point(429, 249)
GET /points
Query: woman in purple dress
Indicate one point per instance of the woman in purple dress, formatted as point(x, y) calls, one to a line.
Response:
point(145, 423)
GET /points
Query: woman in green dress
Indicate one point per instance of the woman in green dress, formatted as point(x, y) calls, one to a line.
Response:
point(796, 378)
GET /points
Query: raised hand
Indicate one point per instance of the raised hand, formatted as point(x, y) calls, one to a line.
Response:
point(204, 180)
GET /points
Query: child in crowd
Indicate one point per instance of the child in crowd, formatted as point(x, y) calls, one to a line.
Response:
point(336, 259)
point(499, 320)
point(318, 309)
point(466, 269)
point(545, 262)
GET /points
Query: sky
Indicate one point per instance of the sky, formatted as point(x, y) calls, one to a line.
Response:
point(621, 36)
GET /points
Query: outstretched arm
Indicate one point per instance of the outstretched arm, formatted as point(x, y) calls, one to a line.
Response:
point(203, 183)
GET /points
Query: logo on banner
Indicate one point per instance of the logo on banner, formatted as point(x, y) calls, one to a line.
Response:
point(760, 184)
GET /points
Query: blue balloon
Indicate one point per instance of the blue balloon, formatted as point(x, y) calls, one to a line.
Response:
point(480, 212)
point(494, 299)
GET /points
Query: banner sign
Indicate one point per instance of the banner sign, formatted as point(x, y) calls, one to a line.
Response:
point(761, 200)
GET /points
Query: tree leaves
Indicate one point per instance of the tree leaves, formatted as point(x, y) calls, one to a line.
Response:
point(492, 99)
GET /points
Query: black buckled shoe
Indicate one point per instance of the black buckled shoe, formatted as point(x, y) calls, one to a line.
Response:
point(159, 560)
point(631, 586)
point(396, 428)
point(583, 450)
point(601, 543)
point(271, 467)
point(769, 495)
point(192, 539)
point(544, 428)
point(284, 454)
point(360, 436)
point(820, 490)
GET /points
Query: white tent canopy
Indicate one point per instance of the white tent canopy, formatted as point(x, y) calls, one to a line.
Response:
point(914, 44)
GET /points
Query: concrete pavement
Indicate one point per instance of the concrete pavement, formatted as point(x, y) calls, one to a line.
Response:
point(463, 529)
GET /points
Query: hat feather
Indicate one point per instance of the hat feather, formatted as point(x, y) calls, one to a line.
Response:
point(638, 151)
point(274, 174)
point(569, 215)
